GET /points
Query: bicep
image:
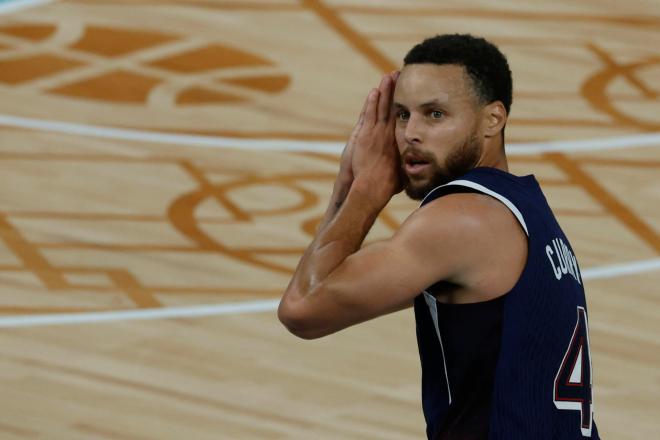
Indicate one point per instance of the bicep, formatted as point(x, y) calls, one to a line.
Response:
point(380, 278)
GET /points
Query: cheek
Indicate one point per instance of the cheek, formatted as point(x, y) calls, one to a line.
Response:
point(446, 136)
point(441, 142)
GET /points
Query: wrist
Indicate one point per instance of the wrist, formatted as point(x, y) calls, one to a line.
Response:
point(372, 194)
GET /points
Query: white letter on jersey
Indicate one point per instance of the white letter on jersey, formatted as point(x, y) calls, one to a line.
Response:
point(557, 271)
point(566, 262)
point(560, 254)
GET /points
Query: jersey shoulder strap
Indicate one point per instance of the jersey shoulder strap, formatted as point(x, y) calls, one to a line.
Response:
point(516, 193)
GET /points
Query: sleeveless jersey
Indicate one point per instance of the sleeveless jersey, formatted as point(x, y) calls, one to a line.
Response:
point(542, 387)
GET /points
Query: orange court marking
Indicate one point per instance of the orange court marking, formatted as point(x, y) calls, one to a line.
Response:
point(140, 295)
point(498, 14)
point(611, 203)
point(30, 256)
point(332, 19)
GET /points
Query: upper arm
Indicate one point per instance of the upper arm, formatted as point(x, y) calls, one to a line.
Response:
point(385, 276)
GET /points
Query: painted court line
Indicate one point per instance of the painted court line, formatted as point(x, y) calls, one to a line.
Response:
point(617, 270)
point(9, 6)
point(621, 142)
point(610, 271)
point(131, 315)
point(169, 138)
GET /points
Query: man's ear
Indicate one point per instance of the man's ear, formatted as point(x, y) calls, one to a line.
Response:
point(495, 117)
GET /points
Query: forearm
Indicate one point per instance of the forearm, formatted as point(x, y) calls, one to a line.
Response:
point(351, 213)
point(339, 193)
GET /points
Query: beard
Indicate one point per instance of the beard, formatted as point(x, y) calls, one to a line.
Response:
point(461, 160)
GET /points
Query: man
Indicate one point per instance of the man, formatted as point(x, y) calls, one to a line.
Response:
point(497, 292)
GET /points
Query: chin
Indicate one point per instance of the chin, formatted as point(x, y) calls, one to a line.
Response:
point(419, 188)
point(417, 191)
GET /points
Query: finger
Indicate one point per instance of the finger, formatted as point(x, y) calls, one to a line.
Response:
point(371, 112)
point(385, 101)
point(383, 82)
point(360, 121)
point(395, 77)
point(363, 111)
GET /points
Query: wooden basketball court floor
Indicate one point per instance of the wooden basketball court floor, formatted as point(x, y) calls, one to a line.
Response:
point(164, 163)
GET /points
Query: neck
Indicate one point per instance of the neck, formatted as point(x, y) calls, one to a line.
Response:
point(501, 163)
point(494, 157)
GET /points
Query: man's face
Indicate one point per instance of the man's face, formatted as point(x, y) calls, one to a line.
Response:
point(437, 128)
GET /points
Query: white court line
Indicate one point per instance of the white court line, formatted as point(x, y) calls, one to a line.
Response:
point(18, 5)
point(617, 270)
point(169, 138)
point(621, 142)
point(131, 315)
point(610, 271)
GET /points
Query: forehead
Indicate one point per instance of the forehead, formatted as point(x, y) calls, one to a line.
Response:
point(420, 83)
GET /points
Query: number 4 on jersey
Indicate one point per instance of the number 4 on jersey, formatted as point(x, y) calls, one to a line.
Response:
point(572, 390)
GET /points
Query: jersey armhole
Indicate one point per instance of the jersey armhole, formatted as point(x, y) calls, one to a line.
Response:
point(475, 187)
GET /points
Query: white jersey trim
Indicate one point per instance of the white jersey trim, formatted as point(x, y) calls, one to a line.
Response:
point(433, 308)
point(483, 189)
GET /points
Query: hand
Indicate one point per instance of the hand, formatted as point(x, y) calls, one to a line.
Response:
point(374, 154)
point(346, 175)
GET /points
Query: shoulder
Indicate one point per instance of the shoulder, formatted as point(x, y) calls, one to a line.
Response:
point(460, 213)
point(468, 231)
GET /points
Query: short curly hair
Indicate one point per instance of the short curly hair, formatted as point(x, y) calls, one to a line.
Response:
point(486, 66)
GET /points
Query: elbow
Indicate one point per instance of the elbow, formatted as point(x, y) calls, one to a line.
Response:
point(298, 321)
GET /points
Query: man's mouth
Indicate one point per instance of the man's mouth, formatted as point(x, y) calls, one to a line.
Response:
point(415, 165)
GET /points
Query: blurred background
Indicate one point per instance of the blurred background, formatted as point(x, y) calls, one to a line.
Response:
point(163, 165)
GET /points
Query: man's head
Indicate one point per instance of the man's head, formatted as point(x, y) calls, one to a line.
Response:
point(451, 101)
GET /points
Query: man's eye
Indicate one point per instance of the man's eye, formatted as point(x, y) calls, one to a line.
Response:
point(435, 114)
point(403, 115)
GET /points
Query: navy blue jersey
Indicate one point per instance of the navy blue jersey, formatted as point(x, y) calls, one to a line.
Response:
point(542, 386)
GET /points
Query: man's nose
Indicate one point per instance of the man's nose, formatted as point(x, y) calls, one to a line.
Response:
point(414, 130)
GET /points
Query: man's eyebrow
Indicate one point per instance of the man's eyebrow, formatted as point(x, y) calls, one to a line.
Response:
point(432, 103)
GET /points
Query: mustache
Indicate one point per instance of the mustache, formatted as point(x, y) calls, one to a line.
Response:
point(418, 154)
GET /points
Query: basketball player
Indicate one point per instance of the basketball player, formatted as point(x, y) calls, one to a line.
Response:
point(497, 293)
